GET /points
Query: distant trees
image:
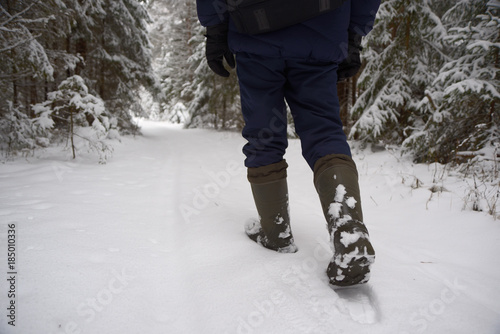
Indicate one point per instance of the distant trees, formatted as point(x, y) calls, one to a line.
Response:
point(43, 43)
point(190, 92)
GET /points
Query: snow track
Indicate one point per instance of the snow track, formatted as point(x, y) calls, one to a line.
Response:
point(153, 242)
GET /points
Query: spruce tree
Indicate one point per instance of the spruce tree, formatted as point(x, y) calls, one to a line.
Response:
point(79, 115)
point(403, 57)
point(464, 99)
point(24, 63)
point(431, 80)
point(117, 56)
point(42, 43)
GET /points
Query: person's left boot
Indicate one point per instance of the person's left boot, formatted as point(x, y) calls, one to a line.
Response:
point(336, 181)
point(270, 193)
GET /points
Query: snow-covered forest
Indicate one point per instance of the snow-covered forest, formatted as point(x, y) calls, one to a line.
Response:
point(121, 174)
point(430, 82)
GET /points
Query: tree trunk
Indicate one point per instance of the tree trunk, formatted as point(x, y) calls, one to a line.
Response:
point(71, 131)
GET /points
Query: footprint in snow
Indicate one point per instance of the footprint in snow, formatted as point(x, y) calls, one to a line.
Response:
point(359, 303)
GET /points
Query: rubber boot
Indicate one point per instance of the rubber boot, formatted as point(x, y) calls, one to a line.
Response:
point(270, 193)
point(336, 181)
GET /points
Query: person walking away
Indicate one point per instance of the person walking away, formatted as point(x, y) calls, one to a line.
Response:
point(301, 62)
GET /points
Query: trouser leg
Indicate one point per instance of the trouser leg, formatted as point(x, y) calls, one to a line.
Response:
point(262, 83)
point(311, 92)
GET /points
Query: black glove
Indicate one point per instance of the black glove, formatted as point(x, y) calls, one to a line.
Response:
point(217, 49)
point(352, 63)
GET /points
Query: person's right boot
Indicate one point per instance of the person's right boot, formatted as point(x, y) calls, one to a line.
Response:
point(336, 181)
point(270, 193)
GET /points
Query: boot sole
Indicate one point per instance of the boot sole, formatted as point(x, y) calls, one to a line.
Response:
point(350, 271)
point(353, 255)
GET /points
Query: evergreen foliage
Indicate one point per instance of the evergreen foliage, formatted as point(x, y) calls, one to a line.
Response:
point(464, 99)
point(401, 60)
point(43, 43)
point(80, 116)
point(191, 93)
point(431, 82)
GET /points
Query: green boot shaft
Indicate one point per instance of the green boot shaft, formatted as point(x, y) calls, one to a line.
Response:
point(336, 181)
point(270, 193)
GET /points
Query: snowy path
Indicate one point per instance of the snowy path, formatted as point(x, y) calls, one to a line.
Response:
point(153, 242)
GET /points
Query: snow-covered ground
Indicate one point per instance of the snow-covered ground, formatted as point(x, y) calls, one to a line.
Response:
point(153, 242)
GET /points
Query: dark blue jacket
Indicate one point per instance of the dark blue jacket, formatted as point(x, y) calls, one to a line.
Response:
point(323, 38)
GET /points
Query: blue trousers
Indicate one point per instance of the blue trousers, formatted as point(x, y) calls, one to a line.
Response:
point(310, 89)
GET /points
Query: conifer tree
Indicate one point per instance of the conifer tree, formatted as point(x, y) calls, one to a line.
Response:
point(117, 56)
point(80, 115)
point(403, 58)
point(464, 100)
point(42, 43)
point(23, 62)
point(431, 81)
